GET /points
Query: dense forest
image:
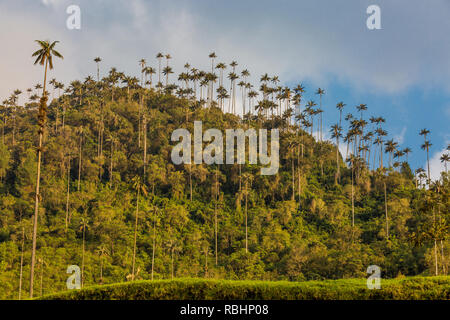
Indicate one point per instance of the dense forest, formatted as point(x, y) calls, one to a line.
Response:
point(111, 201)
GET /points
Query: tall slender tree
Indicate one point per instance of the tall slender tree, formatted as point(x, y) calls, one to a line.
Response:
point(97, 60)
point(44, 56)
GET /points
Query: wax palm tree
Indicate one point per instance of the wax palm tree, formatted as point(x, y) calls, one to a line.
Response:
point(44, 56)
point(340, 106)
point(407, 151)
point(140, 187)
point(352, 161)
point(167, 71)
point(444, 159)
point(232, 77)
point(320, 92)
point(155, 217)
point(97, 60)
point(102, 252)
point(336, 133)
point(310, 111)
point(221, 66)
point(247, 179)
point(361, 108)
point(424, 133)
point(391, 147)
point(210, 94)
point(426, 146)
point(142, 64)
point(42, 264)
point(149, 71)
point(418, 176)
point(159, 56)
point(173, 247)
point(380, 134)
point(21, 257)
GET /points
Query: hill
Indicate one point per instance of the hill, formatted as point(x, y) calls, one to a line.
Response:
point(113, 203)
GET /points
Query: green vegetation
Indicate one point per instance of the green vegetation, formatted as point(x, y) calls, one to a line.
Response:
point(112, 202)
point(417, 288)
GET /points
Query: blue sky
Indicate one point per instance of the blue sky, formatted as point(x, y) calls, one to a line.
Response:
point(402, 72)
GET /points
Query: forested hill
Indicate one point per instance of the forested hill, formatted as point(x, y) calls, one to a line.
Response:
point(113, 203)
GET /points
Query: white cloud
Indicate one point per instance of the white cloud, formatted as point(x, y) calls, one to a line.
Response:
point(51, 2)
point(400, 138)
point(436, 166)
point(309, 40)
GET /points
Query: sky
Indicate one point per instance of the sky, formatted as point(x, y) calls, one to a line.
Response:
point(402, 71)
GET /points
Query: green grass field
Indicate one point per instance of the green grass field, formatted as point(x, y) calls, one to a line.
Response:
point(414, 288)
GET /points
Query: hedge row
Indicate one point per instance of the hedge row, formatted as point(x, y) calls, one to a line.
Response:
point(200, 289)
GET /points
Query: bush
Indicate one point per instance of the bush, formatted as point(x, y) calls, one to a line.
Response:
point(415, 288)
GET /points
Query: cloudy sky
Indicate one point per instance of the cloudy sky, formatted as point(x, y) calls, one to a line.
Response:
point(402, 72)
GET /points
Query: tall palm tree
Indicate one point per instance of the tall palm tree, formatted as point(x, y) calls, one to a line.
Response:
point(336, 132)
point(142, 64)
point(140, 187)
point(247, 177)
point(80, 154)
point(149, 71)
point(44, 56)
point(320, 92)
point(167, 71)
point(340, 106)
point(159, 56)
point(212, 56)
point(154, 238)
point(21, 257)
point(391, 146)
point(407, 151)
point(426, 146)
point(102, 252)
point(83, 225)
point(361, 108)
point(444, 159)
point(97, 60)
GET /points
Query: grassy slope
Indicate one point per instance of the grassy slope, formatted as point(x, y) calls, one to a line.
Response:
point(200, 289)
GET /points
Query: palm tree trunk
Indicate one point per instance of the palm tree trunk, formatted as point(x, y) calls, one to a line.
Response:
point(111, 163)
point(21, 263)
point(42, 276)
point(338, 173)
point(135, 232)
point(381, 156)
point(293, 177)
point(246, 218)
point(101, 270)
point(79, 163)
point(36, 212)
point(215, 216)
point(353, 199)
point(3, 129)
point(171, 263)
point(82, 256)
point(190, 180)
point(43, 102)
point(139, 120)
point(435, 258)
point(68, 193)
point(386, 211)
point(154, 245)
point(145, 143)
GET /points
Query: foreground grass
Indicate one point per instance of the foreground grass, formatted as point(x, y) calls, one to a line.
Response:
point(201, 289)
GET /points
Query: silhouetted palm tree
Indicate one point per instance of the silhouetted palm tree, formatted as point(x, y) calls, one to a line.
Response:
point(97, 61)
